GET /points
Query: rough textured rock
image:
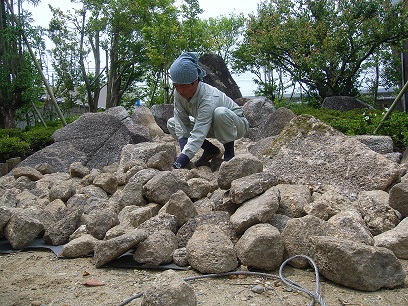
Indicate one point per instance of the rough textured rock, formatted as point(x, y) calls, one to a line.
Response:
point(379, 144)
point(296, 236)
point(23, 227)
point(272, 126)
point(261, 247)
point(210, 250)
point(79, 247)
point(157, 249)
point(218, 75)
point(238, 167)
point(293, 199)
point(357, 265)
point(169, 289)
point(248, 187)
point(257, 210)
point(180, 206)
point(344, 103)
point(340, 183)
point(29, 172)
point(142, 116)
point(215, 218)
point(311, 152)
point(399, 198)
point(395, 239)
point(377, 214)
point(155, 191)
point(132, 194)
point(351, 226)
point(107, 182)
point(107, 250)
point(77, 169)
point(94, 139)
point(162, 113)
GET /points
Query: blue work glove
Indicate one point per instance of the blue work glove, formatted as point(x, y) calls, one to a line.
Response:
point(182, 143)
point(181, 161)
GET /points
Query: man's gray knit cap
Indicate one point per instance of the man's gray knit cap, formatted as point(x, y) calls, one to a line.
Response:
point(185, 69)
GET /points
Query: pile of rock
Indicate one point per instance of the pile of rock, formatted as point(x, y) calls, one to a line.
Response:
point(106, 187)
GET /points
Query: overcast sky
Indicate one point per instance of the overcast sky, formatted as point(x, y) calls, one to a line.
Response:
point(212, 8)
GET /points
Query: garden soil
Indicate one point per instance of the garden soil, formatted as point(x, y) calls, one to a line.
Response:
point(38, 277)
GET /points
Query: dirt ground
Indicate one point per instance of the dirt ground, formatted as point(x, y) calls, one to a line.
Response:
point(40, 278)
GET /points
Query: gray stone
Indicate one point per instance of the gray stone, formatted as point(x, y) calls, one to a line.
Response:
point(5, 215)
point(356, 265)
point(162, 221)
point(293, 199)
point(210, 250)
point(344, 103)
point(378, 143)
point(377, 214)
point(77, 169)
point(99, 221)
point(155, 191)
point(248, 187)
point(399, 198)
point(257, 210)
point(94, 139)
point(279, 221)
point(29, 172)
point(62, 190)
point(142, 116)
point(261, 247)
point(200, 188)
point(296, 236)
point(169, 289)
point(45, 168)
point(216, 218)
point(258, 110)
point(157, 249)
point(162, 113)
point(135, 215)
point(107, 182)
point(238, 167)
point(351, 226)
point(79, 247)
point(218, 75)
point(272, 125)
point(108, 250)
point(161, 160)
point(310, 152)
point(180, 257)
point(180, 206)
point(395, 239)
point(23, 227)
point(132, 194)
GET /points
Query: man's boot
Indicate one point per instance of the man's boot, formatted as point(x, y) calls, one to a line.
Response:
point(210, 151)
point(229, 151)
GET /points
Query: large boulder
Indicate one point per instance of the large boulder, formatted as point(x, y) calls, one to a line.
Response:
point(357, 265)
point(218, 75)
point(94, 139)
point(344, 103)
point(311, 152)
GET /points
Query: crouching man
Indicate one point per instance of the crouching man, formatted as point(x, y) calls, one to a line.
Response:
point(202, 111)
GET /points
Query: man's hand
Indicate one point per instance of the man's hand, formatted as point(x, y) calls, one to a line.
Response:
point(181, 161)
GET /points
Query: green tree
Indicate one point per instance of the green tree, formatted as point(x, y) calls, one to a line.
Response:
point(223, 33)
point(19, 80)
point(321, 44)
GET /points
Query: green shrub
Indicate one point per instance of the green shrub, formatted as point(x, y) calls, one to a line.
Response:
point(12, 147)
point(38, 137)
point(11, 133)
